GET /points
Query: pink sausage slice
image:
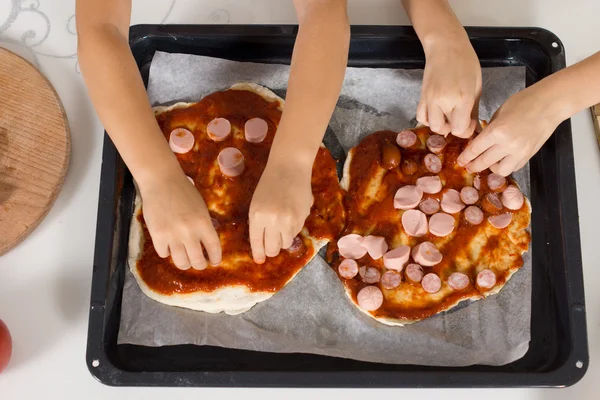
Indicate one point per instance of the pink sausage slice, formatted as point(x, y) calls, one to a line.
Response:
point(500, 221)
point(376, 246)
point(414, 273)
point(474, 215)
point(436, 143)
point(496, 182)
point(486, 279)
point(191, 180)
point(432, 163)
point(429, 206)
point(458, 281)
point(426, 254)
point(451, 202)
point(297, 249)
point(406, 139)
point(391, 280)
point(441, 224)
point(469, 195)
point(396, 259)
point(430, 184)
point(415, 223)
point(477, 182)
point(218, 129)
point(231, 162)
point(408, 197)
point(370, 298)
point(371, 275)
point(181, 140)
point(512, 198)
point(255, 130)
point(350, 246)
point(431, 283)
point(348, 269)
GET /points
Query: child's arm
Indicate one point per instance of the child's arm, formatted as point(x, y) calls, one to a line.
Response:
point(173, 210)
point(527, 119)
point(283, 197)
point(452, 79)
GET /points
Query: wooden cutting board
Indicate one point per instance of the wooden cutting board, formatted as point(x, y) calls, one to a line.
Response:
point(35, 145)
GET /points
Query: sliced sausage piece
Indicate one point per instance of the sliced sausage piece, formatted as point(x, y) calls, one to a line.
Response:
point(348, 269)
point(397, 258)
point(496, 183)
point(432, 163)
point(375, 245)
point(370, 298)
point(430, 184)
point(415, 223)
point(430, 206)
point(431, 283)
point(469, 195)
point(297, 249)
point(408, 197)
point(350, 246)
point(426, 254)
point(491, 203)
point(458, 281)
point(451, 202)
point(512, 198)
point(371, 275)
point(500, 221)
point(486, 279)
point(231, 162)
point(406, 139)
point(191, 180)
point(477, 182)
point(474, 215)
point(441, 224)
point(391, 280)
point(409, 167)
point(215, 223)
point(255, 130)
point(436, 143)
point(390, 156)
point(218, 129)
point(181, 140)
point(414, 273)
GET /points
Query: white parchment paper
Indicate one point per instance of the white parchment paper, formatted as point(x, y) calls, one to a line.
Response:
point(312, 314)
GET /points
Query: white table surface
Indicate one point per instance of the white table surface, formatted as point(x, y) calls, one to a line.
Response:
point(45, 281)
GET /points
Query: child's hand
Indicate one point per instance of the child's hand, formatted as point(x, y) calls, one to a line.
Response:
point(451, 88)
point(179, 222)
point(279, 207)
point(516, 132)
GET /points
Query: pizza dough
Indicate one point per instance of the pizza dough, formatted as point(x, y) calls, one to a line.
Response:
point(456, 249)
point(238, 283)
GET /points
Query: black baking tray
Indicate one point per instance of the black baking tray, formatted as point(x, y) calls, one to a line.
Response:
point(558, 352)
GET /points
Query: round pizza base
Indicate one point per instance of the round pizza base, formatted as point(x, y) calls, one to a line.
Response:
point(345, 185)
point(233, 299)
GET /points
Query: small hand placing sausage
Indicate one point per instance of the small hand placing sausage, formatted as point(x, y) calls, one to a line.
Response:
point(451, 88)
point(516, 132)
point(279, 207)
point(179, 222)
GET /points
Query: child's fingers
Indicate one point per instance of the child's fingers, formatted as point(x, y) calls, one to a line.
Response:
point(481, 143)
point(257, 241)
point(160, 245)
point(179, 256)
point(422, 113)
point(272, 241)
point(195, 254)
point(460, 120)
point(521, 164)
point(490, 157)
point(436, 117)
point(506, 166)
point(212, 244)
point(287, 238)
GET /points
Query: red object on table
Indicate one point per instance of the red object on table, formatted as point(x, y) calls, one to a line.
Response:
point(5, 345)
